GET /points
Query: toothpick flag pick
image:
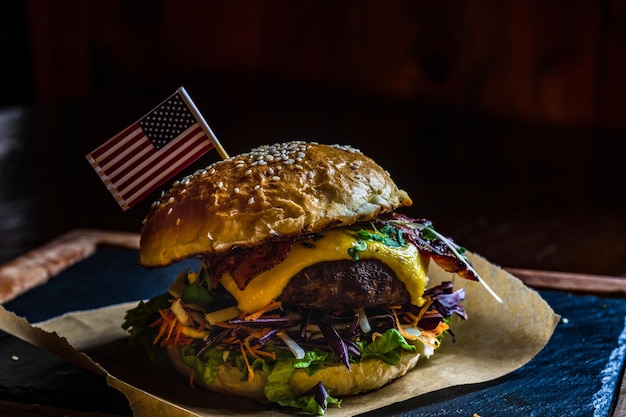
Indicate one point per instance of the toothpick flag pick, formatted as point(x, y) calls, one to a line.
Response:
point(139, 159)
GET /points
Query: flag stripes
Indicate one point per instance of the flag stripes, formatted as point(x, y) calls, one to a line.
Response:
point(132, 165)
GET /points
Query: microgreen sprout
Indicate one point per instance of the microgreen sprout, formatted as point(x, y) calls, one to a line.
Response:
point(388, 235)
point(429, 233)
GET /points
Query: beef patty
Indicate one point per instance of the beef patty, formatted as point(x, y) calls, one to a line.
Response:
point(345, 285)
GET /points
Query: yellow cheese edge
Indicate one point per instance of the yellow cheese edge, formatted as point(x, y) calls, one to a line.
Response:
point(409, 265)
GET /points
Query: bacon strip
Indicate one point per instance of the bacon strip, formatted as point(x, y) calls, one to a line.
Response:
point(246, 264)
point(433, 247)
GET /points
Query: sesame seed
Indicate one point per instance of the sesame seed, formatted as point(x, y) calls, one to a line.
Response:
point(251, 200)
point(169, 211)
point(171, 200)
point(177, 221)
point(248, 172)
point(236, 190)
point(275, 178)
point(220, 184)
point(256, 187)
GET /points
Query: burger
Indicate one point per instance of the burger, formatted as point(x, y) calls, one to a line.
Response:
point(310, 285)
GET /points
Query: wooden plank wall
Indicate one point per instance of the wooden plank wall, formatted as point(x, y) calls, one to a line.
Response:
point(558, 62)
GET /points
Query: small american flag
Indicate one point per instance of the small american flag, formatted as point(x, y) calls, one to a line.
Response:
point(136, 161)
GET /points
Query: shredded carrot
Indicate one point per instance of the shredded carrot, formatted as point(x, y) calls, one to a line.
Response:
point(246, 344)
point(428, 302)
point(166, 323)
point(245, 359)
point(166, 314)
point(432, 341)
point(255, 350)
point(172, 325)
point(375, 335)
point(443, 326)
point(169, 326)
point(398, 325)
point(271, 355)
point(160, 333)
point(262, 333)
point(271, 306)
point(202, 326)
point(156, 323)
point(437, 331)
point(430, 337)
point(401, 329)
point(412, 318)
point(179, 330)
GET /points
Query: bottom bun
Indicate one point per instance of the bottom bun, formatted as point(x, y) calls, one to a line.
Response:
point(368, 375)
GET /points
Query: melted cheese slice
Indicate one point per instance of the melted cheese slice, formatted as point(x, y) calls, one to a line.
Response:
point(407, 262)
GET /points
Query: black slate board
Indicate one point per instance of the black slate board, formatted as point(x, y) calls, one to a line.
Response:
point(577, 374)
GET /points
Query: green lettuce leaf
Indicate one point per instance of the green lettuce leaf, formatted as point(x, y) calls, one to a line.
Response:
point(386, 347)
point(277, 386)
point(207, 365)
point(137, 320)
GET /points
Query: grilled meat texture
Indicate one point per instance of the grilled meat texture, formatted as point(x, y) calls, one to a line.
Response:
point(345, 285)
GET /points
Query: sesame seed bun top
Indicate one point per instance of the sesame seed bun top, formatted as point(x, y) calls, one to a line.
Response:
point(272, 192)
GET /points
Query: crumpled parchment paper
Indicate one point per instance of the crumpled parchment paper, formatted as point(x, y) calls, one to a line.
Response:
point(496, 340)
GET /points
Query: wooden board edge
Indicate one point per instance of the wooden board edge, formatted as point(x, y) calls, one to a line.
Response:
point(566, 281)
point(41, 264)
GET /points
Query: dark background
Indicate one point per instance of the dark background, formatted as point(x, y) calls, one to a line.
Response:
point(505, 121)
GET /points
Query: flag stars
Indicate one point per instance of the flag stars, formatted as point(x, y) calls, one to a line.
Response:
point(167, 122)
